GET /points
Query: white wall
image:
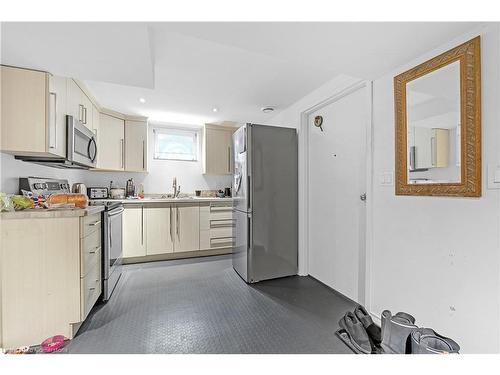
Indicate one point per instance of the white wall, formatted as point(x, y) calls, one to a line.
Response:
point(436, 258)
point(161, 173)
point(159, 179)
point(12, 169)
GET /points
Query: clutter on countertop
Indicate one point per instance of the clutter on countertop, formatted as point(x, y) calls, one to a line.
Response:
point(398, 335)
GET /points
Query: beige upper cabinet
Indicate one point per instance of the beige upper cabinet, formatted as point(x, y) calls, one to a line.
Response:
point(32, 115)
point(136, 146)
point(187, 227)
point(111, 142)
point(159, 230)
point(75, 106)
point(79, 105)
point(57, 115)
point(217, 146)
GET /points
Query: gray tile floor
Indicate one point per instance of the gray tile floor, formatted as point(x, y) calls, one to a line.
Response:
point(202, 306)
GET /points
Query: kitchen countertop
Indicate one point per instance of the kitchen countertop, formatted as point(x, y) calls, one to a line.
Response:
point(56, 213)
point(168, 200)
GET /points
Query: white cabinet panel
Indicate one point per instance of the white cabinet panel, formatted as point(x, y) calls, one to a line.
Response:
point(187, 228)
point(23, 110)
point(57, 115)
point(217, 146)
point(134, 242)
point(136, 141)
point(111, 142)
point(159, 230)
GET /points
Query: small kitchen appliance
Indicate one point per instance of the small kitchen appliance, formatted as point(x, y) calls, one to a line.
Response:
point(79, 188)
point(130, 188)
point(43, 186)
point(97, 192)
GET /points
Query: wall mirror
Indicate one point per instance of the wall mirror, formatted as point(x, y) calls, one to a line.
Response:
point(438, 125)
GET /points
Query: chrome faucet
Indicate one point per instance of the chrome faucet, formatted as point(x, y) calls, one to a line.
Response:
point(177, 189)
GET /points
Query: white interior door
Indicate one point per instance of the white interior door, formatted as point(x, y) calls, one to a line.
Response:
point(337, 179)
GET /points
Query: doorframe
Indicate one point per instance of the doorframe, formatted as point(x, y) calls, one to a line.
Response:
point(303, 140)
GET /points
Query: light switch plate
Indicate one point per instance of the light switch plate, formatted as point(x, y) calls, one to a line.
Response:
point(387, 179)
point(493, 176)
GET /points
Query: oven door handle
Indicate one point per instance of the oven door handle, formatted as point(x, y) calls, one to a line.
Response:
point(116, 211)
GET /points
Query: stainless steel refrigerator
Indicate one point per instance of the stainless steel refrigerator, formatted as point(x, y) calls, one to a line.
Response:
point(265, 202)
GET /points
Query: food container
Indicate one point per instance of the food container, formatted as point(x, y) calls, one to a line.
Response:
point(117, 193)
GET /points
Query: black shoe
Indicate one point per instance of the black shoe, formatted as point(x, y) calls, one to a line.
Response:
point(357, 332)
point(374, 331)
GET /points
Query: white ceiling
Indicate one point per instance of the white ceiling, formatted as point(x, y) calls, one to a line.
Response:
point(185, 69)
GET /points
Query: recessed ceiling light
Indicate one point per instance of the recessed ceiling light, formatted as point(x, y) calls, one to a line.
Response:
point(267, 109)
point(215, 109)
point(142, 100)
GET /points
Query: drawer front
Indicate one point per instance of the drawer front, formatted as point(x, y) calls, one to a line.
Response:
point(90, 251)
point(90, 289)
point(221, 215)
point(89, 224)
point(221, 232)
point(221, 242)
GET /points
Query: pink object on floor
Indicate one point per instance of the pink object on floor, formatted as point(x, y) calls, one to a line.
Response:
point(53, 343)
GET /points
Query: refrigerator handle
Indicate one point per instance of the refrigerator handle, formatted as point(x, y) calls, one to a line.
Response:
point(248, 193)
point(249, 236)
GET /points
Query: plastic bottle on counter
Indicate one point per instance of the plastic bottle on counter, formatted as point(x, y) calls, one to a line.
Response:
point(141, 191)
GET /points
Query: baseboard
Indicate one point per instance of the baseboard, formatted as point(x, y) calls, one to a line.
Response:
point(183, 255)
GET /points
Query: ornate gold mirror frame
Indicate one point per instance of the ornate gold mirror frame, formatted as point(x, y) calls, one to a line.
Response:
point(469, 56)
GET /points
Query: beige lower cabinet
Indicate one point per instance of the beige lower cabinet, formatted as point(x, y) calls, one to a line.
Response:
point(159, 229)
point(187, 227)
point(154, 229)
point(134, 231)
point(50, 277)
point(216, 226)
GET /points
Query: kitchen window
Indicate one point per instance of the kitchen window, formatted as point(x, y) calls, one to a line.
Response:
point(175, 144)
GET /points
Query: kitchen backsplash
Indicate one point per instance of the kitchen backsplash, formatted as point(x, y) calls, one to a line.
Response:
point(157, 181)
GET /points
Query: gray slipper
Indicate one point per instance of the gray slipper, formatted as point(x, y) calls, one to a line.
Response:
point(359, 336)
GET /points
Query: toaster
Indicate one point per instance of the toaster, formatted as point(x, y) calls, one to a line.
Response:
point(97, 192)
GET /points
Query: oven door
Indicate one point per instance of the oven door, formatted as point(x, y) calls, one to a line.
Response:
point(115, 245)
point(82, 144)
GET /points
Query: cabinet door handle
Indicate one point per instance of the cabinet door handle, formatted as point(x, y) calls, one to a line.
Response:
point(80, 112)
point(94, 224)
point(95, 250)
point(177, 219)
point(142, 225)
point(170, 213)
point(122, 153)
point(53, 120)
point(143, 155)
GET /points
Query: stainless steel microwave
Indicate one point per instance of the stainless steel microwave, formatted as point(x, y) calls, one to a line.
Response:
point(81, 148)
point(82, 145)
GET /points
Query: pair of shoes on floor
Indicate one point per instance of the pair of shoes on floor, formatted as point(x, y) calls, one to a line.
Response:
point(400, 335)
point(363, 333)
